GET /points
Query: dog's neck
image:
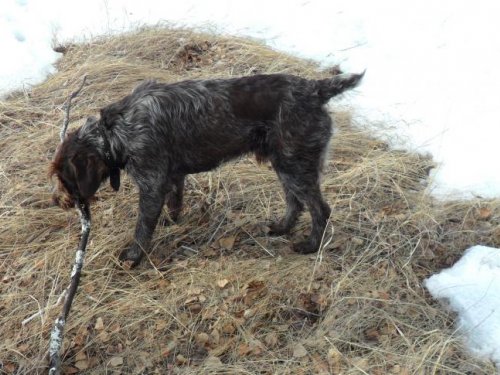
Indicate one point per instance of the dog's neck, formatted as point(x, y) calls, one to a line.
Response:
point(113, 166)
point(96, 134)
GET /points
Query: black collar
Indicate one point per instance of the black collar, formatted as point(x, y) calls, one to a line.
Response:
point(114, 170)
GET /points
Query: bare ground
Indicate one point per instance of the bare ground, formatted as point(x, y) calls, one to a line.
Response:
point(218, 295)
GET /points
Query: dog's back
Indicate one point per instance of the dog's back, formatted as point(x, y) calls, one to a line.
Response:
point(219, 119)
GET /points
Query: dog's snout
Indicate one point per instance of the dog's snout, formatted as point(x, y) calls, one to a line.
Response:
point(62, 200)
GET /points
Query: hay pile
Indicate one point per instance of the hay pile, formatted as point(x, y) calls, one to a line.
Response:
point(218, 295)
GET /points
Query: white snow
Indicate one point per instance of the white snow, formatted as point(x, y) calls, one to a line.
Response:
point(472, 289)
point(432, 66)
point(25, 44)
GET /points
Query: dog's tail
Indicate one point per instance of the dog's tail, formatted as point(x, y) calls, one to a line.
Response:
point(330, 87)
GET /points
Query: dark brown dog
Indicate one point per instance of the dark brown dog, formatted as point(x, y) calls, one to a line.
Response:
point(162, 132)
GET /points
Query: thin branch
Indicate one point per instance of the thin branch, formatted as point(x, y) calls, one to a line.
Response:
point(67, 107)
point(42, 311)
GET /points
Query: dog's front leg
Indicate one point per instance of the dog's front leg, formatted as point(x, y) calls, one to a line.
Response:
point(150, 205)
point(174, 200)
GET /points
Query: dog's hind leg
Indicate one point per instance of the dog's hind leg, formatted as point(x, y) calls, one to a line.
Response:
point(305, 188)
point(320, 213)
point(293, 209)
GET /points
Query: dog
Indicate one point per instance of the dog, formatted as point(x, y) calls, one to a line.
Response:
point(162, 132)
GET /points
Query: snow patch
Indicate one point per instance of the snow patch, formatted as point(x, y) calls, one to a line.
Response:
point(25, 40)
point(472, 289)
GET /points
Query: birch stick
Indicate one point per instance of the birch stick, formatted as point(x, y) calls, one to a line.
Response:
point(57, 334)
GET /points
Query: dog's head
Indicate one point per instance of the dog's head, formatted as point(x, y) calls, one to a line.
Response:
point(79, 171)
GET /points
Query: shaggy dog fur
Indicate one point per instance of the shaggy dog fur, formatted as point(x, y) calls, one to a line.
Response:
point(161, 132)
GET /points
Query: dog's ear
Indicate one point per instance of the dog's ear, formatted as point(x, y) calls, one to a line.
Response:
point(88, 173)
point(114, 178)
point(90, 121)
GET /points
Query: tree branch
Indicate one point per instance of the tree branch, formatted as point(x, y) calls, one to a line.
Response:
point(57, 334)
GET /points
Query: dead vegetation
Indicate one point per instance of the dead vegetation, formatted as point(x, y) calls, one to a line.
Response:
point(217, 294)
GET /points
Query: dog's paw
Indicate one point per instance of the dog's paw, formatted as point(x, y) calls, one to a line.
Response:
point(130, 257)
point(305, 247)
point(171, 219)
point(174, 216)
point(277, 229)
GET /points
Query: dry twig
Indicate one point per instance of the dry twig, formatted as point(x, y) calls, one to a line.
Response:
point(42, 311)
point(67, 107)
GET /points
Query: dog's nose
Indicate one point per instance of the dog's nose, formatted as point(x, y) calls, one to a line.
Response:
point(56, 201)
point(55, 194)
point(62, 200)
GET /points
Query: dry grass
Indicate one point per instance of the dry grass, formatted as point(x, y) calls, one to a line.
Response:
point(217, 295)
